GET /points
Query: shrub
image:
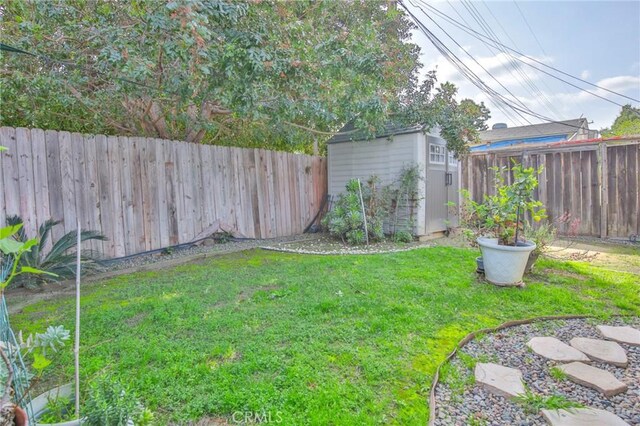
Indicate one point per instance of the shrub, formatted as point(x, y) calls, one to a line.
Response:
point(403, 237)
point(503, 214)
point(110, 403)
point(61, 259)
point(347, 221)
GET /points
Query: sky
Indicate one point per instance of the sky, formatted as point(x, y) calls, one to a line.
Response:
point(598, 41)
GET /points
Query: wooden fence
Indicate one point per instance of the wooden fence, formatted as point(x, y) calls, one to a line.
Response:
point(595, 184)
point(145, 194)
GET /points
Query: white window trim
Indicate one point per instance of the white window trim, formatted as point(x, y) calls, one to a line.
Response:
point(452, 160)
point(440, 153)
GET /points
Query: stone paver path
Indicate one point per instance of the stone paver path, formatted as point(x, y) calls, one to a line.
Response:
point(499, 380)
point(601, 350)
point(595, 378)
point(582, 417)
point(556, 350)
point(628, 335)
point(507, 382)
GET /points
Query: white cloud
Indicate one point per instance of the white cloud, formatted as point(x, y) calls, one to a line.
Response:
point(585, 74)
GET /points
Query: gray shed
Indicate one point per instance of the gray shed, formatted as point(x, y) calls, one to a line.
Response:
point(349, 157)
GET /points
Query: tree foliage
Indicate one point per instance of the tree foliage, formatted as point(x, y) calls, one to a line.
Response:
point(433, 105)
point(252, 73)
point(627, 123)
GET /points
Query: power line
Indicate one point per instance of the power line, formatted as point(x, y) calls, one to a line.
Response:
point(544, 83)
point(530, 29)
point(535, 90)
point(511, 64)
point(495, 43)
point(506, 111)
point(484, 69)
point(465, 70)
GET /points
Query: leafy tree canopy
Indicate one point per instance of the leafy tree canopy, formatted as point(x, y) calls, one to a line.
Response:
point(254, 73)
point(627, 123)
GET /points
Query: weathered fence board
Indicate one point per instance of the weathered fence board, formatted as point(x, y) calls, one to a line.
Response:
point(595, 184)
point(145, 193)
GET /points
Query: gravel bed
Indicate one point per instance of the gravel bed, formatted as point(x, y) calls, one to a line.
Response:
point(201, 248)
point(323, 244)
point(460, 402)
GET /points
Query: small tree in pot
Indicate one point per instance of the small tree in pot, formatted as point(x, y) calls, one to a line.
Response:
point(504, 249)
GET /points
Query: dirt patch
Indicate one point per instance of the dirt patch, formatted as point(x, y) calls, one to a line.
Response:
point(136, 319)
point(566, 274)
point(246, 294)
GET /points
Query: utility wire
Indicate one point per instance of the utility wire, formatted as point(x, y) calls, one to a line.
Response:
point(515, 69)
point(544, 83)
point(484, 69)
point(495, 43)
point(526, 21)
point(465, 70)
point(506, 111)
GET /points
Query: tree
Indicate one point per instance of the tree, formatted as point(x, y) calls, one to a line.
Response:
point(627, 123)
point(256, 73)
point(432, 106)
point(203, 71)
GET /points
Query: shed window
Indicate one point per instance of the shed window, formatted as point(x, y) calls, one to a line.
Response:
point(452, 160)
point(436, 154)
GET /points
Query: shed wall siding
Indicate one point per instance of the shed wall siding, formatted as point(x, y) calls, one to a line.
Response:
point(382, 157)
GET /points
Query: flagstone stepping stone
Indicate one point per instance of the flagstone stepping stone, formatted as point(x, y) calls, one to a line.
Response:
point(626, 334)
point(595, 378)
point(554, 349)
point(582, 417)
point(499, 380)
point(601, 350)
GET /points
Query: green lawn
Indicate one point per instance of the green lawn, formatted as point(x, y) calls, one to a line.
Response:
point(320, 339)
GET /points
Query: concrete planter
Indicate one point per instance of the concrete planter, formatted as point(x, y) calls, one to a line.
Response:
point(504, 265)
point(39, 405)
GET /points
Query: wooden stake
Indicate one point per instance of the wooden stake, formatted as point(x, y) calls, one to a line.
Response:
point(364, 214)
point(76, 348)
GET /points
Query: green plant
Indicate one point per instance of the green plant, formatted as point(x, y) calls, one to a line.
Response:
point(59, 262)
point(403, 237)
point(110, 403)
point(542, 235)
point(400, 199)
point(347, 221)
point(59, 409)
point(557, 374)
point(503, 214)
point(533, 403)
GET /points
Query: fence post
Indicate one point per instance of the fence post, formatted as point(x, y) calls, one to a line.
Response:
point(604, 188)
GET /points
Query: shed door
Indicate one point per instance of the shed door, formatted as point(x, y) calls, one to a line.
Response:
point(436, 186)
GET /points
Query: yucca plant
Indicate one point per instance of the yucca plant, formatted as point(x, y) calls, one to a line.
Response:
point(61, 259)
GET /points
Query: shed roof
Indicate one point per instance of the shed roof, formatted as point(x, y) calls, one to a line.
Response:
point(567, 127)
point(348, 133)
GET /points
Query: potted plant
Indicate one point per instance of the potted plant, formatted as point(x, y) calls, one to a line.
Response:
point(501, 218)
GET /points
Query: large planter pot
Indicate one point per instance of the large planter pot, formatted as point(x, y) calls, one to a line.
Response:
point(504, 265)
point(39, 404)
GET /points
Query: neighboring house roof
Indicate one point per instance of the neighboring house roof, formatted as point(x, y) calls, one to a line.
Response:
point(565, 128)
point(347, 134)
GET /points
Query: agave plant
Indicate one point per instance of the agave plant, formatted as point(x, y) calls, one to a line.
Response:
point(60, 260)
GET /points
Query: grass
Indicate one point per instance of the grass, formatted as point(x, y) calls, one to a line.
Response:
point(344, 340)
point(533, 403)
point(557, 374)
